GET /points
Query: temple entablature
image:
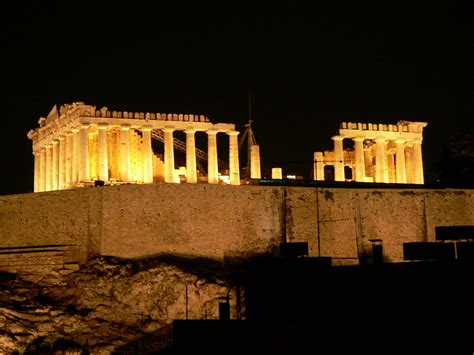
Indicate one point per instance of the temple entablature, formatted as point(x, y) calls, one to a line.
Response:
point(78, 144)
point(383, 153)
point(406, 129)
point(74, 115)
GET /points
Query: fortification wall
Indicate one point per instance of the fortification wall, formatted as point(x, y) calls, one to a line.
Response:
point(191, 219)
point(331, 222)
point(69, 217)
point(230, 221)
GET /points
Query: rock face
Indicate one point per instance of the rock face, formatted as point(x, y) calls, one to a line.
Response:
point(109, 302)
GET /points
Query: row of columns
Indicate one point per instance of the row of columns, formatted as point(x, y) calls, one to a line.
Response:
point(408, 167)
point(65, 162)
point(212, 158)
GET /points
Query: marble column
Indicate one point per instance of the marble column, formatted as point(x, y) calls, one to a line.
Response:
point(191, 174)
point(359, 159)
point(338, 158)
point(234, 169)
point(255, 169)
point(93, 154)
point(37, 156)
point(368, 159)
point(83, 168)
point(49, 167)
point(125, 153)
point(318, 166)
point(212, 166)
point(417, 162)
point(400, 161)
point(381, 169)
point(103, 165)
point(391, 166)
point(62, 163)
point(42, 173)
point(68, 162)
point(169, 155)
point(386, 170)
point(147, 155)
point(76, 155)
point(55, 166)
point(409, 163)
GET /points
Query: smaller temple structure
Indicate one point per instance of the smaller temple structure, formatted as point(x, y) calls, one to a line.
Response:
point(78, 145)
point(381, 153)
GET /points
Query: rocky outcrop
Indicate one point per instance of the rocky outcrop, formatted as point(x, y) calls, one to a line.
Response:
point(107, 303)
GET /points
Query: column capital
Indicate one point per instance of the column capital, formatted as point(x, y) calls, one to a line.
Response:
point(168, 129)
point(400, 140)
point(85, 125)
point(74, 130)
point(358, 139)
point(103, 126)
point(380, 139)
point(212, 131)
point(55, 141)
point(190, 130)
point(124, 127)
point(146, 128)
point(416, 141)
point(233, 133)
point(337, 138)
point(62, 137)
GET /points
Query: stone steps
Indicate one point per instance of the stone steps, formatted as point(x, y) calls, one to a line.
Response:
point(38, 259)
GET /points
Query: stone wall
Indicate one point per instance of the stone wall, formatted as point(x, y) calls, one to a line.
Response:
point(228, 222)
point(191, 219)
point(69, 217)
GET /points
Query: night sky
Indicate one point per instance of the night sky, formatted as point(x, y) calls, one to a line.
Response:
point(306, 68)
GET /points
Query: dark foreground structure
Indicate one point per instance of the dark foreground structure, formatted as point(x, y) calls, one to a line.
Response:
point(303, 305)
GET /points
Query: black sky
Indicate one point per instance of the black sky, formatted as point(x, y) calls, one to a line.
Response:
point(307, 66)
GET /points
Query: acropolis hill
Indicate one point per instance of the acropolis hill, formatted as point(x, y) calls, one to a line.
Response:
point(102, 190)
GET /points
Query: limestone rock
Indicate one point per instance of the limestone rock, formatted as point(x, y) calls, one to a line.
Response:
point(102, 306)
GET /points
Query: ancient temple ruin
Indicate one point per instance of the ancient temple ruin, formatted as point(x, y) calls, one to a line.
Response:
point(382, 153)
point(78, 145)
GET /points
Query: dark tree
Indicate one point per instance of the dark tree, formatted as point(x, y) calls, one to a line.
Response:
point(456, 165)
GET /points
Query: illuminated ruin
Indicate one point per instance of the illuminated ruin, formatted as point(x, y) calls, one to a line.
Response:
point(79, 145)
point(382, 153)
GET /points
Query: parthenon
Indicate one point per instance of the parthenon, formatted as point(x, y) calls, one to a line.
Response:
point(382, 153)
point(78, 145)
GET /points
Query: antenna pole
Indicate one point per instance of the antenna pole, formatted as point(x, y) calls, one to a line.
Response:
point(251, 137)
point(250, 107)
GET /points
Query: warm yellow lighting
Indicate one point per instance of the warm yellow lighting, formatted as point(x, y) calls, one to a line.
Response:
point(225, 179)
point(277, 173)
point(78, 144)
point(381, 153)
